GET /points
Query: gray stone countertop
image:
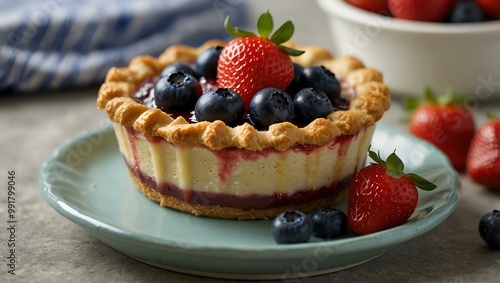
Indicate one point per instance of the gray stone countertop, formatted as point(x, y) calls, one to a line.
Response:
point(51, 248)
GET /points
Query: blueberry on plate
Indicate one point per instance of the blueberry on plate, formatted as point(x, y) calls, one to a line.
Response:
point(291, 227)
point(178, 66)
point(319, 77)
point(220, 104)
point(310, 104)
point(177, 91)
point(489, 228)
point(206, 63)
point(328, 222)
point(270, 105)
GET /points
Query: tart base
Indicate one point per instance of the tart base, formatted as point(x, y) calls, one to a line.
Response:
point(215, 211)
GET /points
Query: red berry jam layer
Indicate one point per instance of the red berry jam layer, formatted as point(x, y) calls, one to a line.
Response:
point(246, 202)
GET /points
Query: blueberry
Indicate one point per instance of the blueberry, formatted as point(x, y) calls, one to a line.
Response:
point(299, 80)
point(310, 104)
point(220, 104)
point(340, 104)
point(206, 63)
point(177, 91)
point(291, 227)
point(489, 228)
point(466, 12)
point(319, 77)
point(328, 222)
point(270, 105)
point(179, 66)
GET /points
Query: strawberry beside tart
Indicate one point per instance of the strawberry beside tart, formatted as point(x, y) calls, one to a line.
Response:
point(245, 129)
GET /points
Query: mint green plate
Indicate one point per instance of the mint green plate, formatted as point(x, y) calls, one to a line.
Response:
point(86, 181)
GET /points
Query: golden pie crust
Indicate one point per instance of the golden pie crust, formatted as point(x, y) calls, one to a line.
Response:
point(372, 99)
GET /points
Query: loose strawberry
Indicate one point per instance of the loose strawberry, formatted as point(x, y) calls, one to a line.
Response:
point(382, 196)
point(444, 122)
point(375, 6)
point(421, 10)
point(250, 63)
point(483, 160)
point(490, 7)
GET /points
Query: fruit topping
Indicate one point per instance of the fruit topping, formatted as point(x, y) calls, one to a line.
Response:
point(489, 229)
point(445, 122)
point(206, 63)
point(299, 80)
point(177, 91)
point(220, 104)
point(178, 66)
point(322, 79)
point(328, 222)
point(252, 62)
point(382, 196)
point(255, 69)
point(310, 104)
point(291, 227)
point(483, 159)
point(270, 105)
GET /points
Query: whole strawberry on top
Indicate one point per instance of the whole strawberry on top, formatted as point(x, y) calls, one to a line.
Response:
point(252, 62)
point(444, 122)
point(483, 160)
point(382, 196)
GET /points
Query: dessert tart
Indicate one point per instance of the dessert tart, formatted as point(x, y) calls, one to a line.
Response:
point(256, 165)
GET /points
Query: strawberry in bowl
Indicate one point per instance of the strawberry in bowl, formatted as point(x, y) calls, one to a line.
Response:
point(420, 10)
point(439, 11)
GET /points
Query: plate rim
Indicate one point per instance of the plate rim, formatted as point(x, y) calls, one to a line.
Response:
point(382, 239)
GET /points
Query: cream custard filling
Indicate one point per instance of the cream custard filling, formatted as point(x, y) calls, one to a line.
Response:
point(241, 172)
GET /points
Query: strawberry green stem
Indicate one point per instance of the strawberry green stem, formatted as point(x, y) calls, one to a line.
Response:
point(395, 168)
point(265, 26)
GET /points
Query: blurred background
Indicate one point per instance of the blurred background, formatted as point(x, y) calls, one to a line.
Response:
point(64, 44)
point(54, 54)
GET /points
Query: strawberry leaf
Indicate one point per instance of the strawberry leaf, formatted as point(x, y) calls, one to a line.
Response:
point(394, 166)
point(283, 33)
point(265, 24)
point(491, 116)
point(236, 32)
point(448, 97)
point(429, 95)
point(421, 182)
point(411, 103)
point(376, 157)
point(291, 51)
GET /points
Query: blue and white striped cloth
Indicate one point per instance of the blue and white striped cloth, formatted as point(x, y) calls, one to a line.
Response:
point(55, 44)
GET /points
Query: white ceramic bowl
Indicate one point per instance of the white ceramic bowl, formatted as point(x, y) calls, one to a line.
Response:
point(413, 55)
